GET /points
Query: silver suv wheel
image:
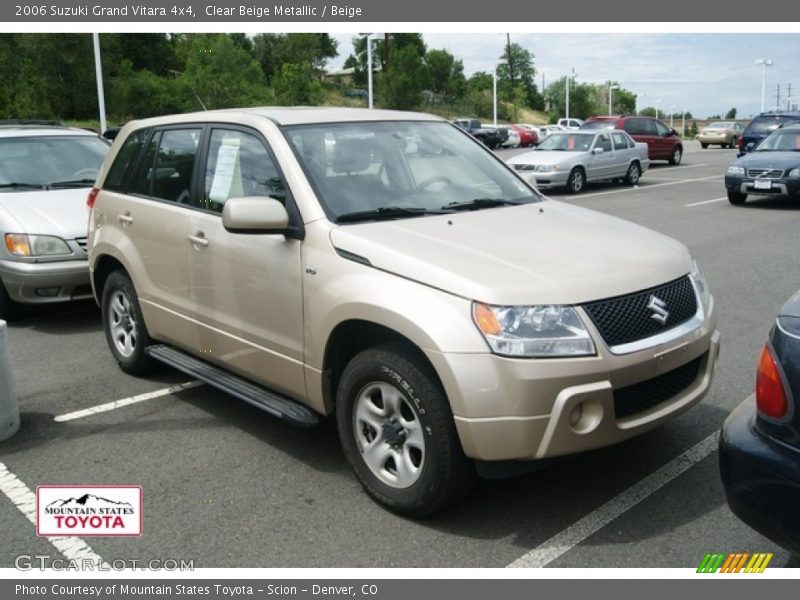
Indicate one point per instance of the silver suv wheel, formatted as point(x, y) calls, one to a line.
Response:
point(122, 324)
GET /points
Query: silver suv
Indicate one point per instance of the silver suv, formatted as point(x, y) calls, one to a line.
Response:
point(45, 173)
point(386, 268)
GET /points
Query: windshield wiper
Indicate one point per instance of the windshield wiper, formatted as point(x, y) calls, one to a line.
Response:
point(386, 213)
point(479, 203)
point(23, 186)
point(72, 183)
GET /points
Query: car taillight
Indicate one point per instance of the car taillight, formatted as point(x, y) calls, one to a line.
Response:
point(92, 197)
point(770, 395)
point(740, 143)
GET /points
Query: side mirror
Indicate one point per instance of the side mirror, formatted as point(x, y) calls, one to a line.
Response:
point(673, 132)
point(598, 151)
point(255, 214)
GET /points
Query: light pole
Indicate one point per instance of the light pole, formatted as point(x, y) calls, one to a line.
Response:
point(98, 71)
point(369, 70)
point(611, 88)
point(683, 122)
point(764, 62)
point(571, 75)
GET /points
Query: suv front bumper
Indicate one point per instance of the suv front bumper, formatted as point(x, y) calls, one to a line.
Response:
point(524, 409)
point(785, 186)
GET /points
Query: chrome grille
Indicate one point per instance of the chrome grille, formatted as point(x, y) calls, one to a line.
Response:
point(628, 318)
point(765, 173)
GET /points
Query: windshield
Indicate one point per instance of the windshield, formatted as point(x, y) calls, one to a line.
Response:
point(567, 142)
point(719, 125)
point(781, 141)
point(42, 161)
point(600, 124)
point(410, 168)
point(764, 125)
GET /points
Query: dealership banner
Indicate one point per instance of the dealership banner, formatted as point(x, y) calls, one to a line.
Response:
point(386, 589)
point(392, 11)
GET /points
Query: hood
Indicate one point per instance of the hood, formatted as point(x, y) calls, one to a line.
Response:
point(770, 160)
point(543, 157)
point(792, 307)
point(55, 212)
point(542, 253)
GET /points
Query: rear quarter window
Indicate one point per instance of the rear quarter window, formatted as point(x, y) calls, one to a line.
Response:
point(125, 160)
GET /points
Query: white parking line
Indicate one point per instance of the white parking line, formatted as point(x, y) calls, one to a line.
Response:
point(707, 201)
point(573, 535)
point(73, 548)
point(647, 187)
point(93, 410)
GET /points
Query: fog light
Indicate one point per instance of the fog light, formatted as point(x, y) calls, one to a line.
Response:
point(586, 416)
point(47, 292)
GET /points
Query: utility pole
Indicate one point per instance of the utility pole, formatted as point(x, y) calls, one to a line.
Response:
point(778, 95)
point(789, 97)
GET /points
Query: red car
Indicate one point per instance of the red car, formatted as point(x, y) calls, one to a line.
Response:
point(662, 142)
point(527, 136)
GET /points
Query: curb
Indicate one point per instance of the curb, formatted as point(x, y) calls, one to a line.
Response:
point(9, 409)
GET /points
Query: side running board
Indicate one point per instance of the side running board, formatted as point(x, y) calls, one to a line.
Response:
point(275, 404)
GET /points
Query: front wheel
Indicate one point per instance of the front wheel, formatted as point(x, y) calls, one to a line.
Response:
point(677, 155)
point(733, 142)
point(398, 432)
point(9, 310)
point(736, 198)
point(633, 174)
point(576, 181)
point(124, 326)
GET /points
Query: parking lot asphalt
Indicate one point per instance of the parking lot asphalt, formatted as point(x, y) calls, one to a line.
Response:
point(226, 485)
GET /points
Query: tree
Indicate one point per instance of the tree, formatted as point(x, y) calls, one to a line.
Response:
point(731, 114)
point(295, 85)
point(445, 73)
point(272, 50)
point(402, 85)
point(714, 117)
point(582, 99)
point(648, 112)
point(219, 74)
point(516, 69)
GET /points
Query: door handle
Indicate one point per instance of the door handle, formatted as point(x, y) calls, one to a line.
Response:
point(198, 239)
point(125, 218)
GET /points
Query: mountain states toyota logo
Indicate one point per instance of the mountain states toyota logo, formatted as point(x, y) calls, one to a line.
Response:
point(97, 510)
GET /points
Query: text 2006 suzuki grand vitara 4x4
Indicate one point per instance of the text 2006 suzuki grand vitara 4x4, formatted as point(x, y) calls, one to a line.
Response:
point(386, 267)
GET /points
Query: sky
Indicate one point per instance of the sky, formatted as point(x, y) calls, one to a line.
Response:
point(703, 73)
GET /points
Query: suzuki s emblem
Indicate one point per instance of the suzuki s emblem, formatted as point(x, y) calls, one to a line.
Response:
point(658, 307)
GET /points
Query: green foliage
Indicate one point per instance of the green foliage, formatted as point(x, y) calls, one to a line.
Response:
point(272, 50)
point(516, 70)
point(693, 129)
point(714, 117)
point(401, 86)
point(648, 112)
point(731, 114)
point(295, 85)
point(446, 73)
point(582, 99)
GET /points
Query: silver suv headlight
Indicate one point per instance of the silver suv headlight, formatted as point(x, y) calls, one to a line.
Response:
point(545, 330)
point(701, 285)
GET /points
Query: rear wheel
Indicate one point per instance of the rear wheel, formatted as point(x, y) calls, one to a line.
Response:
point(633, 174)
point(704, 146)
point(576, 180)
point(677, 155)
point(733, 142)
point(398, 432)
point(736, 197)
point(124, 326)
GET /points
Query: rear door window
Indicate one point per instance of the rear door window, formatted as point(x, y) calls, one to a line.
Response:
point(168, 164)
point(125, 159)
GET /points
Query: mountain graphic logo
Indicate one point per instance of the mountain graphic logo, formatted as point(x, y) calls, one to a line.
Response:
point(87, 500)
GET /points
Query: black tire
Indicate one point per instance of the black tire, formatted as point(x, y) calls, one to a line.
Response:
point(677, 155)
point(704, 146)
point(736, 198)
point(633, 174)
point(9, 310)
point(434, 467)
point(123, 324)
point(576, 181)
point(733, 142)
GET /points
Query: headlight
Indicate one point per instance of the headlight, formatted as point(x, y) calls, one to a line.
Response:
point(21, 244)
point(794, 173)
point(734, 170)
point(528, 331)
point(701, 285)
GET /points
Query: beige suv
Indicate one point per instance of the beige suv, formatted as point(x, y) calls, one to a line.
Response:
point(386, 268)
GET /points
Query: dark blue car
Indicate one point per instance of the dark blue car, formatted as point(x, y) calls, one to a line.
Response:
point(772, 168)
point(760, 442)
point(762, 125)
